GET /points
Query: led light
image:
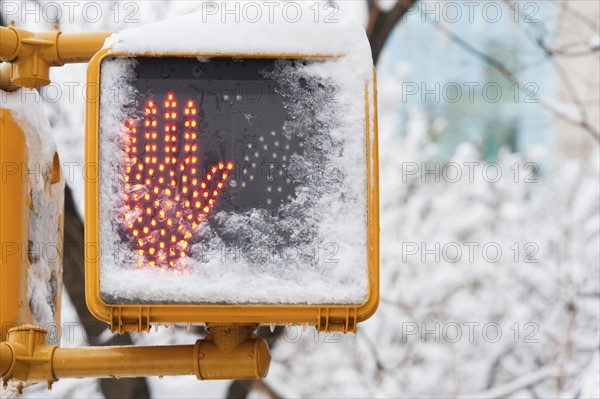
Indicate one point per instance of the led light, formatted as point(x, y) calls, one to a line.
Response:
point(176, 218)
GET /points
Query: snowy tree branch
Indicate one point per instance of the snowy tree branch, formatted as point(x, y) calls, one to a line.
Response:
point(517, 384)
point(581, 122)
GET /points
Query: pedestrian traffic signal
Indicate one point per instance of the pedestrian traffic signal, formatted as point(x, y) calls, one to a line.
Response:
point(231, 188)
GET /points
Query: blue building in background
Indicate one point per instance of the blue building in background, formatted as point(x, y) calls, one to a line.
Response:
point(448, 50)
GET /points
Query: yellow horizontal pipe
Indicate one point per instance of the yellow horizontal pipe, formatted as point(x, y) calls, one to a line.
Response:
point(230, 353)
point(79, 47)
point(32, 54)
point(249, 360)
point(103, 362)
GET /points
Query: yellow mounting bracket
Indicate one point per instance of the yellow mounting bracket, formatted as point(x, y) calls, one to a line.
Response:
point(32, 54)
point(228, 352)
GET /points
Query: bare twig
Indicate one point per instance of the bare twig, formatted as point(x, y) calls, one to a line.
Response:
point(516, 385)
point(508, 74)
point(381, 23)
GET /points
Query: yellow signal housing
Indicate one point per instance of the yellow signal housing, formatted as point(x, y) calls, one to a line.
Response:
point(131, 317)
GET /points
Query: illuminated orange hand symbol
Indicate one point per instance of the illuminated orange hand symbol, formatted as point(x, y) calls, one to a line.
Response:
point(167, 194)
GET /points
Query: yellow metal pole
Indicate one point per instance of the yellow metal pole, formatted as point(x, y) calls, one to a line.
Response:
point(28, 57)
point(14, 217)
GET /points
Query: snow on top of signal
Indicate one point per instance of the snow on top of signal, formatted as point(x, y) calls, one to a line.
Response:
point(242, 27)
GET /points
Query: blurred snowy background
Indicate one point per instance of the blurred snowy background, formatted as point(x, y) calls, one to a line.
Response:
point(489, 172)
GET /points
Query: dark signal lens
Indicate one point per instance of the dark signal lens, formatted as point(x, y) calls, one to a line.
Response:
point(206, 137)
